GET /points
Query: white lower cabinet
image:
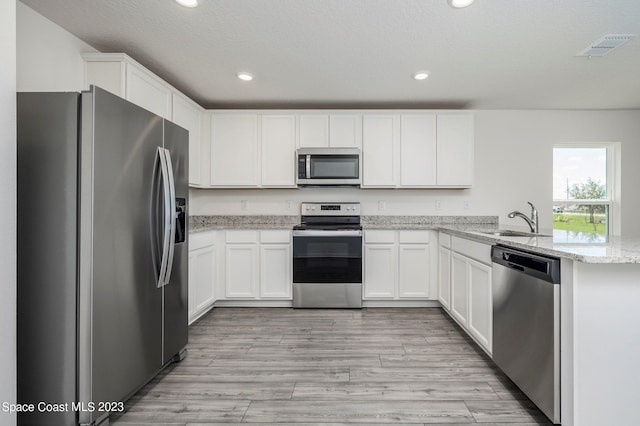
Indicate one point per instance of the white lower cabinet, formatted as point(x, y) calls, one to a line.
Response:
point(241, 270)
point(470, 289)
point(258, 264)
point(459, 290)
point(275, 265)
point(414, 270)
point(479, 321)
point(399, 265)
point(202, 267)
point(380, 271)
point(444, 277)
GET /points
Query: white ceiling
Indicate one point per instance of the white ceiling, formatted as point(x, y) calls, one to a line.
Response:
point(511, 54)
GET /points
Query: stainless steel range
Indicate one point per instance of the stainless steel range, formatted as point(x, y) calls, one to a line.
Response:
point(327, 256)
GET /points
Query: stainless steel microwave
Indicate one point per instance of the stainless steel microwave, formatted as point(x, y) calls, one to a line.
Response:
point(328, 166)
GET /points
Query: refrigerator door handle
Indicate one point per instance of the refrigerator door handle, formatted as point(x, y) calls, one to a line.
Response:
point(173, 216)
point(166, 217)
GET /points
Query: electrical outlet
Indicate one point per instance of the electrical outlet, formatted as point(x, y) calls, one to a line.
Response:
point(243, 204)
point(438, 205)
point(289, 204)
point(382, 205)
point(466, 205)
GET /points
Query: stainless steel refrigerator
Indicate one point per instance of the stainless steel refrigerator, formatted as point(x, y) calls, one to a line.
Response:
point(102, 252)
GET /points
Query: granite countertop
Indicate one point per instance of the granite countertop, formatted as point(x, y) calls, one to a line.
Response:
point(212, 223)
point(582, 247)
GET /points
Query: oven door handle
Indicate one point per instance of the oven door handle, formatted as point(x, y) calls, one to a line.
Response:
point(320, 233)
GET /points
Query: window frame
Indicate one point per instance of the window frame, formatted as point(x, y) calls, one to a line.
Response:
point(613, 190)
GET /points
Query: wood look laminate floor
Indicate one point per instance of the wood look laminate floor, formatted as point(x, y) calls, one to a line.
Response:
point(369, 366)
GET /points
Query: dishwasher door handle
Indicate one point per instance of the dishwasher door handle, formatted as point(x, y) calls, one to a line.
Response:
point(514, 266)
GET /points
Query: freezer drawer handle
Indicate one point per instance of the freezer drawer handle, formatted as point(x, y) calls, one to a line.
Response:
point(169, 217)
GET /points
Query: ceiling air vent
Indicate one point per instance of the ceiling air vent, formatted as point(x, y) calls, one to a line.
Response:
point(606, 44)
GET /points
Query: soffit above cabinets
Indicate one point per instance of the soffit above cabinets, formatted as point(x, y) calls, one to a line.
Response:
point(495, 54)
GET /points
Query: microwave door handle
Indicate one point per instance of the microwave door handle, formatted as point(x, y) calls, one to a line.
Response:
point(308, 166)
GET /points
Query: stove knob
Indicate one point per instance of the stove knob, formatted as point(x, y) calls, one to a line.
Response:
point(313, 208)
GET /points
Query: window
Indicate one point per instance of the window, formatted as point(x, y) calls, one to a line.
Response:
point(585, 188)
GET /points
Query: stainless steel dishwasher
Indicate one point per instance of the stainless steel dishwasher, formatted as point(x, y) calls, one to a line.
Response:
point(526, 324)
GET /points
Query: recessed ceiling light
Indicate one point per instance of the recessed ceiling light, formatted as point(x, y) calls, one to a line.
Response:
point(420, 75)
point(459, 4)
point(187, 3)
point(245, 76)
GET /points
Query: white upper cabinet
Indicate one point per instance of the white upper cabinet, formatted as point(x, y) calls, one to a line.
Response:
point(380, 134)
point(278, 149)
point(313, 131)
point(418, 150)
point(148, 91)
point(345, 130)
point(188, 114)
point(234, 150)
point(330, 130)
point(455, 150)
point(121, 75)
point(124, 77)
point(107, 72)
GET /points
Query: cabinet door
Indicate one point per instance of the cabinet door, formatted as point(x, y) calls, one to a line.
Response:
point(414, 271)
point(380, 271)
point(201, 280)
point(480, 303)
point(345, 131)
point(189, 115)
point(241, 270)
point(455, 150)
point(278, 149)
point(108, 75)
point(444, 278)
point(379, 161)
point(418, 150)
point(459, 288)
point(313, 131)
point(148, 91)
point(234, 150)
point(275, 271)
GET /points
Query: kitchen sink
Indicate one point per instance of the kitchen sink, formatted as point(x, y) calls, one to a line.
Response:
point(508, 233)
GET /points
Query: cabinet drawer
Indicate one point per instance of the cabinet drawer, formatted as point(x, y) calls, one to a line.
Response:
point(275, 237)
point(202, 239)
point(241, 237)
point(473, 249)
point(413, 237)
point(379, 237)
point(445, 240)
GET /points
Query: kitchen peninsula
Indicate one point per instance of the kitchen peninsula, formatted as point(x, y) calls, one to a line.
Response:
point(599, 292)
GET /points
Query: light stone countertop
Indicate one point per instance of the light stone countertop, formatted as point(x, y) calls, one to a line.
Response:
point(582, 247)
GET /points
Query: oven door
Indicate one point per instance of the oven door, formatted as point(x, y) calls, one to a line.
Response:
point(327, 256)
point(327, 269)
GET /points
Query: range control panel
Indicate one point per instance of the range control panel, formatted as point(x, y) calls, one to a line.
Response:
point(330, 209)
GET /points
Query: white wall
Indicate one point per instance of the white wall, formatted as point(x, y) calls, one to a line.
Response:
point(8, 211)
point(48, 56)
point(513, 165)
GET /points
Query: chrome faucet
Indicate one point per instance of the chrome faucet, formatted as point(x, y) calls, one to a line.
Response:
point(532, 222)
